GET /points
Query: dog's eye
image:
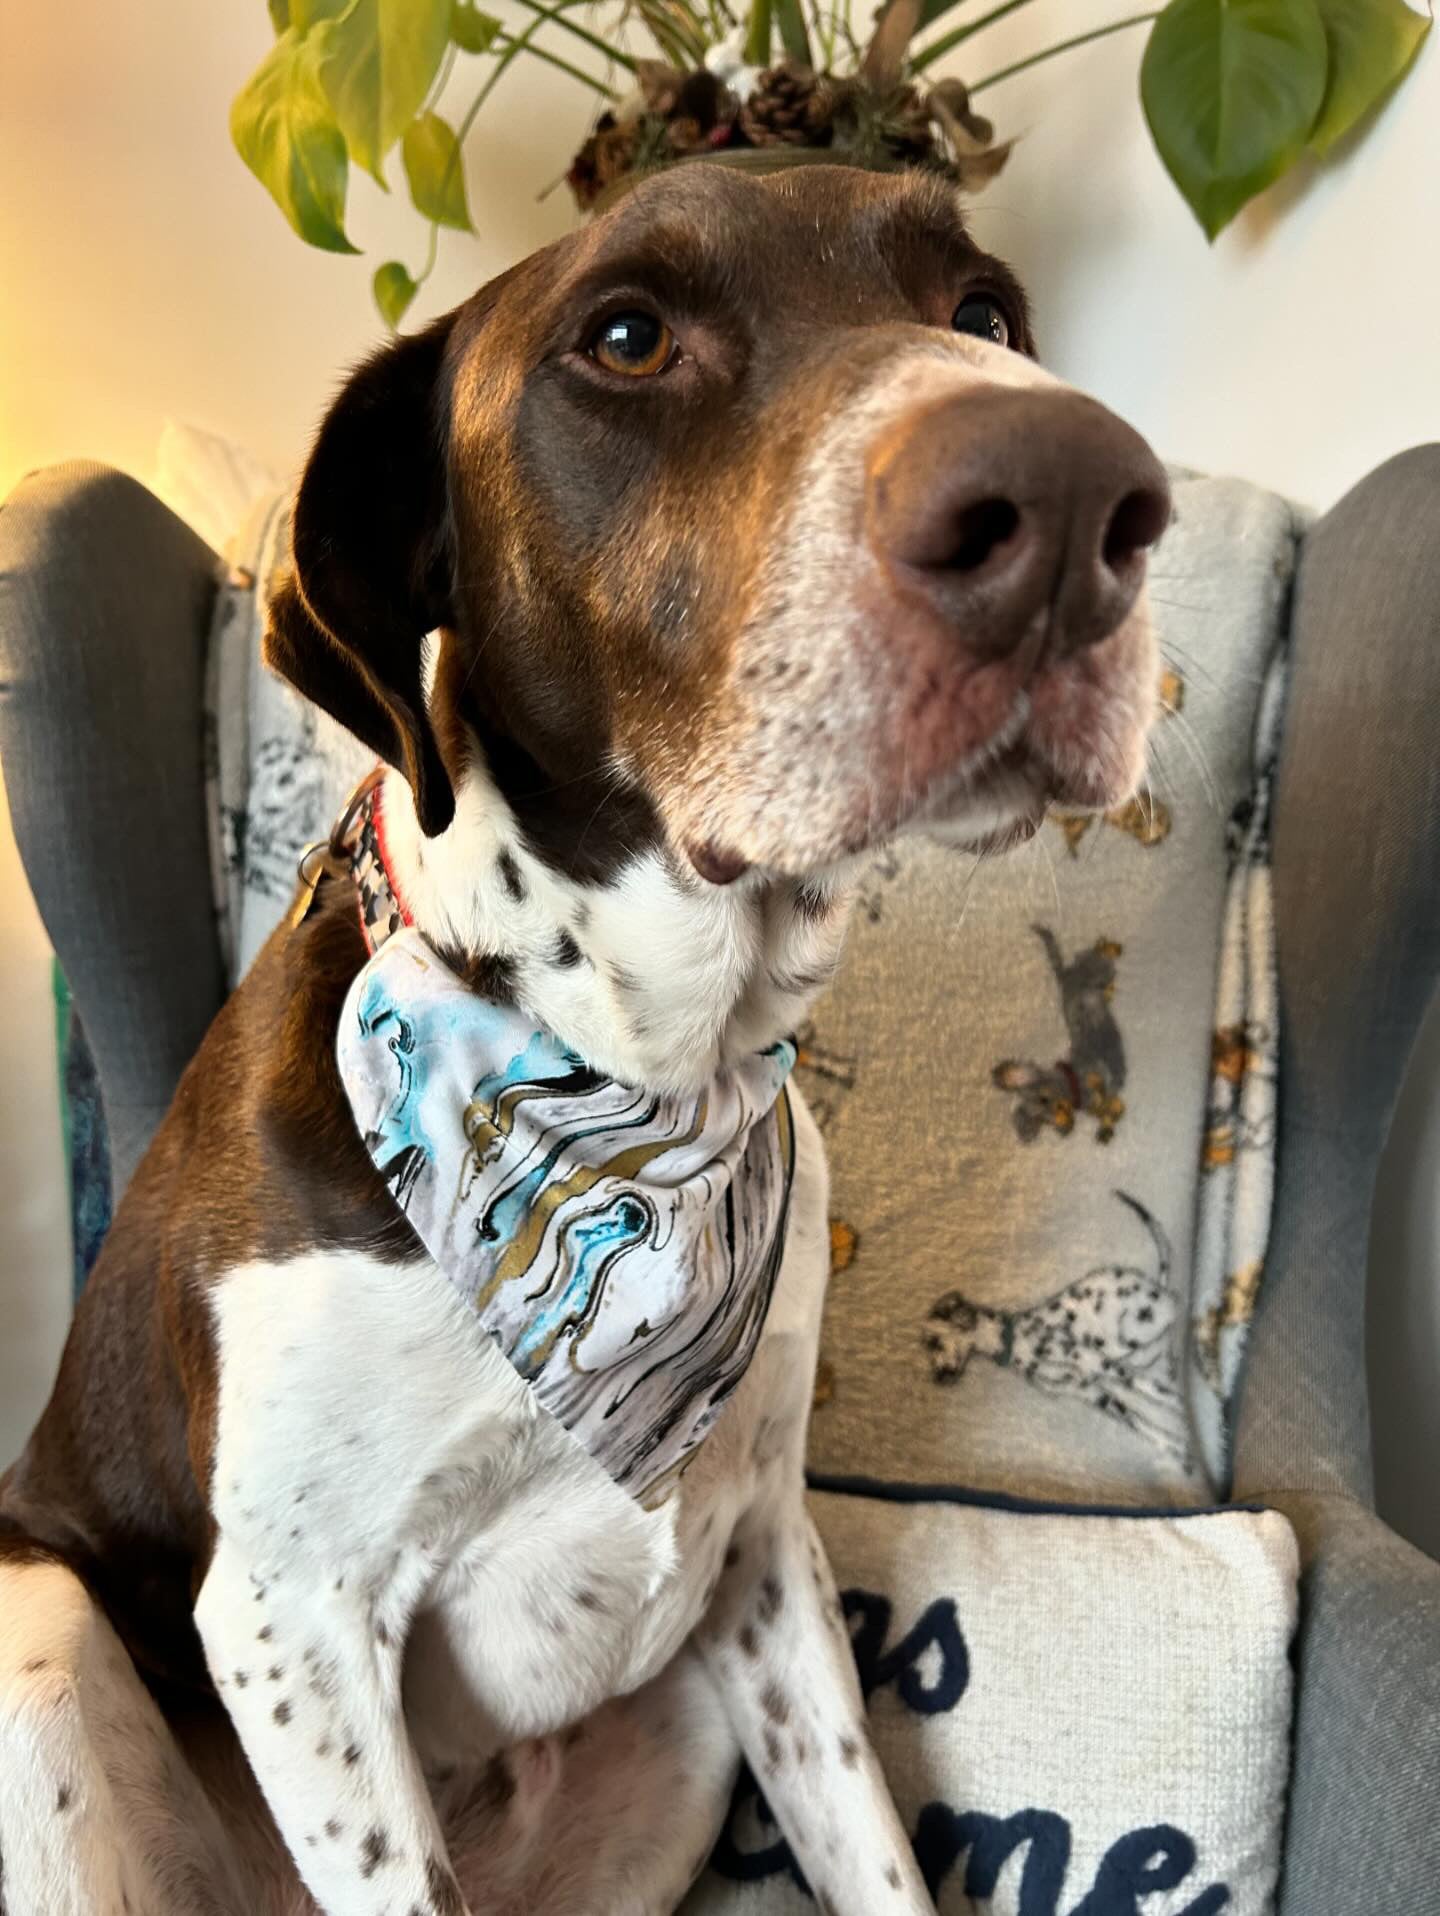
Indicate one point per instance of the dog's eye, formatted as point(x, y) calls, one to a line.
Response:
point(635, 343)
point(980, 316)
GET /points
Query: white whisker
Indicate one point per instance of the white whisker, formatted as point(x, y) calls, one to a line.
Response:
point(1044, 850)
point(1185, 732)
point(965, 895)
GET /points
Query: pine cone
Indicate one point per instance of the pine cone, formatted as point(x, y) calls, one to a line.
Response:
point(787, 108)
point(609, 152)
point(905, 127)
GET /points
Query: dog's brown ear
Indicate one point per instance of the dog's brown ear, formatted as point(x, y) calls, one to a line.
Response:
point(373, 565)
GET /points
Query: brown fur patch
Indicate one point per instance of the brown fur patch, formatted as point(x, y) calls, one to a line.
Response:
point(774, 1703)
point(259, 1143)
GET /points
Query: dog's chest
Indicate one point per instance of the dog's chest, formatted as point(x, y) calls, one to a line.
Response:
point(375, 1448)
point(565, 1598)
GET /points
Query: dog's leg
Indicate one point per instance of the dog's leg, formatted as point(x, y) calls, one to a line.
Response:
point(346, 1387)
point(778, 1641)
point(312, 1684)
point(99, 1813)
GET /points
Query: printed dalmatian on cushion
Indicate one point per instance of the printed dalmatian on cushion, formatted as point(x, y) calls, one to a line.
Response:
point(1108, 1338)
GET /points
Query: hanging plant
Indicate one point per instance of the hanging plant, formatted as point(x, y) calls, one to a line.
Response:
point(1235, 93)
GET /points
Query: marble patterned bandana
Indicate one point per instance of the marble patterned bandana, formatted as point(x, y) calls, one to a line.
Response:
point(620, 1245)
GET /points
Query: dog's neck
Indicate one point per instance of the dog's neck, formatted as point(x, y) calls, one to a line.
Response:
point(657, 979)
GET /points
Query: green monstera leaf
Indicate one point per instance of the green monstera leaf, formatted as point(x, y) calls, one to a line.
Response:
point(393, 289)
point(286, 134)
point(432, 165)
point(1232, 89)
point(377, 60)
point(305, 14)
point(471, 30)
point(1372, 42)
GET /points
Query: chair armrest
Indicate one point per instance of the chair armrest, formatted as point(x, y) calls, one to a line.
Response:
point(1357, 929)
point(1363, 1831)
point(105, 601)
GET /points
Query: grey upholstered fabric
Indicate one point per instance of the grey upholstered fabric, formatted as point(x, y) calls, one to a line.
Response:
point(1357, 905)
point(104, 608)
point(1357, 901)
point(1363, 1830)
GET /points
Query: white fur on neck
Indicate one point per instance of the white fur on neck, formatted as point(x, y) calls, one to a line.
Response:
point(676, 977)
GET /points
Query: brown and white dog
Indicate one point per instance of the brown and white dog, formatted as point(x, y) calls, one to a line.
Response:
point(687, 561)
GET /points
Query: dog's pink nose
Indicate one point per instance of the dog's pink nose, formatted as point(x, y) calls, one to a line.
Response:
point(1005, 506)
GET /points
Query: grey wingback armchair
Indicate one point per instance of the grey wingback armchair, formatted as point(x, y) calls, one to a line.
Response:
point(104, 606)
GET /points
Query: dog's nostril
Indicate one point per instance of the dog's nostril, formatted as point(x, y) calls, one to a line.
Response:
point(1136, 523)
point(978, 530)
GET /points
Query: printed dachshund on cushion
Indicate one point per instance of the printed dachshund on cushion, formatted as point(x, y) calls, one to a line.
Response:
point(1091, 1078)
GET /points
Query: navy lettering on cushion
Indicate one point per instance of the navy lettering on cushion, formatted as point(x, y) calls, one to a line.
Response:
point(1141, 1863)
point(869, 1619)
point(943, 1835)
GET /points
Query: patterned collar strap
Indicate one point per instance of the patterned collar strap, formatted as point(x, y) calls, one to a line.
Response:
point(382, 912)
point(355, 849)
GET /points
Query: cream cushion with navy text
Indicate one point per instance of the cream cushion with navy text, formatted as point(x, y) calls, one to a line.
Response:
point(1047, 1088)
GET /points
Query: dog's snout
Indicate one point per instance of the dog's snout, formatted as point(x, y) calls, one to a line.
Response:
point(1004, 506)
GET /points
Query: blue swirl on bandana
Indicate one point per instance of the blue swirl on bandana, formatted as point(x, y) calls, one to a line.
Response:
point(400, 1131)
point(417, 1038)
point(505, 1216)
point(591, 1245)
point(540, 1059)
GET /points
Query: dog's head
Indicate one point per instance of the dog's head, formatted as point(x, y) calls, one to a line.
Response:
point(953, 1334)
point(750, 529)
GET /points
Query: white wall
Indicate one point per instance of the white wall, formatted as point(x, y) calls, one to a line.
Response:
point(144, 274)
point(1301, 348)
point(144, 270)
